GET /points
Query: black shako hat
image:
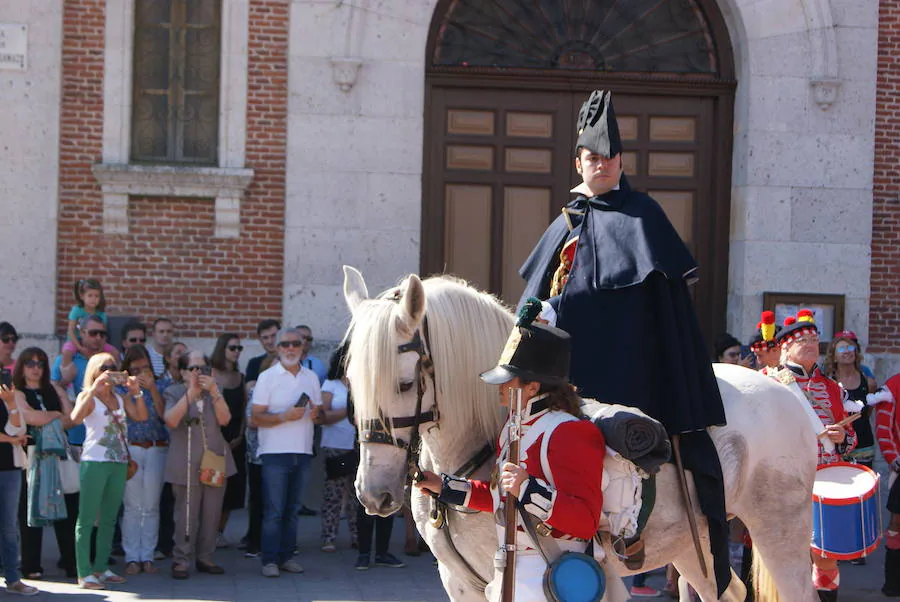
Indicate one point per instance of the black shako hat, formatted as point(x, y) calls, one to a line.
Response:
point(533, 352)
point(597, 127)
point(795, 327)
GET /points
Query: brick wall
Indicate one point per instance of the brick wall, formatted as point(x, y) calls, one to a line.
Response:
point(884, 308)
point(169, 264)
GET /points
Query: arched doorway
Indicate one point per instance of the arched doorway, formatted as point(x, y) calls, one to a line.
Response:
point(504, 83)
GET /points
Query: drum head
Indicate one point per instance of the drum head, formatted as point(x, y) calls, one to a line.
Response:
point(844, 482)
point(576, 577)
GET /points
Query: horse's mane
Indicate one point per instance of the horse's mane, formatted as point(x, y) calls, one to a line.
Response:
point(466, 333)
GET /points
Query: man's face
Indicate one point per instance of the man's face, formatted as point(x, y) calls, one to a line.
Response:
point(307, 338)
point(804, 351)
point(600, 173)
point(267, 339)
point(94, 336)
point(290, 349)
point(767, 357)
point(134, 337)
point(163, 333)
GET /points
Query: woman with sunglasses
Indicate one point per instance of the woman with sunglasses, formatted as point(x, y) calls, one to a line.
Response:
point(843, 363)
point(41, 405)
point(195, 413)
point(224, 361)
point(148, 446)
point(8, 339)
point(104, 463)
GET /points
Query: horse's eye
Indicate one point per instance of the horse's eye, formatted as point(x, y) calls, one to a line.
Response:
point(404, 387)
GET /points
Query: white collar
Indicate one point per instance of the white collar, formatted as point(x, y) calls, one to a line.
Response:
point(584, 189)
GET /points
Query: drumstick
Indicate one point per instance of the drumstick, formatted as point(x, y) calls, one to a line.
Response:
point(847, 420)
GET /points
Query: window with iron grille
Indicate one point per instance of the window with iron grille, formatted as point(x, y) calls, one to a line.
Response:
point(175, 101)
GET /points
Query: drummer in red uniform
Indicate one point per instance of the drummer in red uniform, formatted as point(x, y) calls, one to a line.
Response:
point(799, 343)
point(887, 430)
point(559, 479)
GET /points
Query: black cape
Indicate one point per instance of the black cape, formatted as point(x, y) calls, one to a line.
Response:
point(635, 337)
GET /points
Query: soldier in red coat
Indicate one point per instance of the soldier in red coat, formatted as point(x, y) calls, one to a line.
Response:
point(559, 479)
point(799, 343)
point(887, 431)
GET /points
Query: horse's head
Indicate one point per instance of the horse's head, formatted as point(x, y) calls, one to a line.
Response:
point(392, 392)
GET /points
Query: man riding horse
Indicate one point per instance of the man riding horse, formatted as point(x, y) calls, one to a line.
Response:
point(615, 275)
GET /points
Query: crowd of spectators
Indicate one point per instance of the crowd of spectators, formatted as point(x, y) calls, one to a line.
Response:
point(145, 451)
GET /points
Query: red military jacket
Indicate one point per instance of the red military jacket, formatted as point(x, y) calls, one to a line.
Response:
point(827, 400)
point(569, 499)
point(887, 419)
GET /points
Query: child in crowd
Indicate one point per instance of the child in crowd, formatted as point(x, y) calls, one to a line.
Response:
point(90, 301)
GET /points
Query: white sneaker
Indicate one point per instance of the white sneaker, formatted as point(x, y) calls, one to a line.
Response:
point(271, 570)
point(292, 566)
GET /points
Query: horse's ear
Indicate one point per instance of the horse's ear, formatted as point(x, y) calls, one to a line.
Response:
point(355, 291)
point(412, 304)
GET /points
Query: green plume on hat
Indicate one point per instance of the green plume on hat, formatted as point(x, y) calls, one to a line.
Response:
point(529, 312)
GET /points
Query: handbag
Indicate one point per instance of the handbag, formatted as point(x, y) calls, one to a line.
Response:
point(69, 472)
point(212, 465)
point(343, 465)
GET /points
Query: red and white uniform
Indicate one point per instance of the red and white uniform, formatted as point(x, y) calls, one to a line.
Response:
point(827, 400)
point(564, 459)
point(887, 419)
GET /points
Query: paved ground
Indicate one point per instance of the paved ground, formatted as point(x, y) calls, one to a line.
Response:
point(332, 577)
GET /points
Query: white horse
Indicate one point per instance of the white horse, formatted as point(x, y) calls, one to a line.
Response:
point(767, 451)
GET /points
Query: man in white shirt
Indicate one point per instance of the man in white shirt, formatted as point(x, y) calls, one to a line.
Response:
point(286, 401)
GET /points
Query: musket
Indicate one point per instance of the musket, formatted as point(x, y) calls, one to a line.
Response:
point(507, 554)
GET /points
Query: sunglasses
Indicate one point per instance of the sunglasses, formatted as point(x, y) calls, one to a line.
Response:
point(843, 348)
point(195, 368)
point(10, 338)
point(98, 333)
point(137, 340)
point(294, 344)
point(235, 348)
point(34, 364)
point(108, 368)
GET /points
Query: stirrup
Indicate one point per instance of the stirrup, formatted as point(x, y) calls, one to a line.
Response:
point(632, 555)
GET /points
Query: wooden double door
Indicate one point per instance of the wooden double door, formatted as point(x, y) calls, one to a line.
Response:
point(500, 164)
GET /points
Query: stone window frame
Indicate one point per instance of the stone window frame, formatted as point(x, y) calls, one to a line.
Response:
point(120, 179)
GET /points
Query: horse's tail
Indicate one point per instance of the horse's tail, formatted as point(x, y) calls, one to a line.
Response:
point(764, 589)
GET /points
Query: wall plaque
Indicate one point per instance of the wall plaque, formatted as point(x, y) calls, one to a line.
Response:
point(13, 46)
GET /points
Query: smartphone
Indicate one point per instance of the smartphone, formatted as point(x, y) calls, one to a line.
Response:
point(745, 351)
point(5, 378)
point(301, 403)
point(206, 371)
point(117, 378)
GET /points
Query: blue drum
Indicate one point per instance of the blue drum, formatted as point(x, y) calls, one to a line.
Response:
point(846, 521)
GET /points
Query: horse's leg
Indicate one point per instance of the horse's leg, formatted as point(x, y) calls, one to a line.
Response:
point(689, 566)
point(777, 513)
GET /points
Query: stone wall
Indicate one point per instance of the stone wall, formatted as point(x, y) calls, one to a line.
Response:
point(802, 172)
point(29, 164)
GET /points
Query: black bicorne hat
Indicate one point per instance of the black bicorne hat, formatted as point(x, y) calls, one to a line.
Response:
point(534, 352)
point(597, 127)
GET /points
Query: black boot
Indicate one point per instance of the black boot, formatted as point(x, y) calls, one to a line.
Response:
point(827, 595)
point(891, 587)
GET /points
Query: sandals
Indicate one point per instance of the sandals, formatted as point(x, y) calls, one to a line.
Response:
point(91, 582)
point(21, 589)
point(108, 576)
point(132, 568)
point(148, 567)
point(180, 571)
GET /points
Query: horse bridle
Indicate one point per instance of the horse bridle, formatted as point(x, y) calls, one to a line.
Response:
point(381, 429)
